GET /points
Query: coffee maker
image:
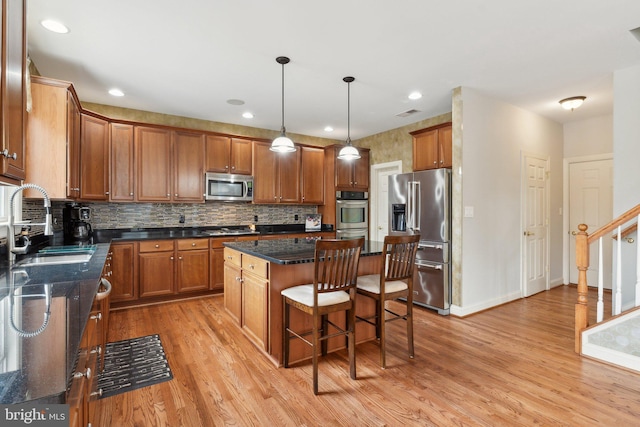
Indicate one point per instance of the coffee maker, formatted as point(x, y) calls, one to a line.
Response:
point(76, 229)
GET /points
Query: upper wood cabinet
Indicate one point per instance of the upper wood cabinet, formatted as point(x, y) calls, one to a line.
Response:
point(311, 175)
point(94, 158)
point(13, 70)
point(276, 176)
point(53, 139)
point(153, 160)
point(228, 155)
point(122, 163)
point(352, 174)
point(432, 147)
point(188, 170)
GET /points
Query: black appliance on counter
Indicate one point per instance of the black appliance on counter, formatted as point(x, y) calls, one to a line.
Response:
point(76, 229)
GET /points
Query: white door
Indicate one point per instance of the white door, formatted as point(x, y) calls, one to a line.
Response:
point(591, 203)
point(379, 198)
point(535, 226)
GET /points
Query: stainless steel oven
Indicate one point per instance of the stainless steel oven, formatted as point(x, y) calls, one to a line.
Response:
point(352, 210)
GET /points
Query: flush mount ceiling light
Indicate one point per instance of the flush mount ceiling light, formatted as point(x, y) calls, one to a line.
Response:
point(415, 95)
point(282, 144)
point(116, 92)
point(247, 115)
point(348, 152)
point(572, 103)
point(54, 26)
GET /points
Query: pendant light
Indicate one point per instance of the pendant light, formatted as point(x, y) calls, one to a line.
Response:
point(282, 144)
point(348, 152)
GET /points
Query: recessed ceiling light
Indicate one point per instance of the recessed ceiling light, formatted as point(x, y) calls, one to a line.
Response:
point(247, 115)
point(235, 101)
point(116, 92)
point(415, 95)
point(54, 26)
point(328, 129)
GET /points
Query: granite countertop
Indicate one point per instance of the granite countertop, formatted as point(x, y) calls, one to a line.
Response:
point(292, 251)
point(38, 368)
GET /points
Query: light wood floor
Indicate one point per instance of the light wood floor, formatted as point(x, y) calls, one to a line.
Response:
point(512, 365)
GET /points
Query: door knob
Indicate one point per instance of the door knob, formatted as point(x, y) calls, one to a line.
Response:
point(528, 233)
point(574, 232)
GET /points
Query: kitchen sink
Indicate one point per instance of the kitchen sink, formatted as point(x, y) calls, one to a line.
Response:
point(40, 260)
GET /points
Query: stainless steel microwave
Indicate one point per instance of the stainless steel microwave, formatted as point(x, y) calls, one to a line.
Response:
point(228, 187)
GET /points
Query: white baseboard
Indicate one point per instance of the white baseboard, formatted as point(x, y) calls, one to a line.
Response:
point(456, 310)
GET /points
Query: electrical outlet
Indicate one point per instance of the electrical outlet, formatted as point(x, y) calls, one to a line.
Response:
point(255, 218)
point(295, 217)
point(181, 219)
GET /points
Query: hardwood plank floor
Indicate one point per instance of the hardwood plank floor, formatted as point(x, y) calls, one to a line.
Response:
point(509, 366)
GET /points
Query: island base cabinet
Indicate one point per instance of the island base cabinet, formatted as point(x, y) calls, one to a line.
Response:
point(232, 291)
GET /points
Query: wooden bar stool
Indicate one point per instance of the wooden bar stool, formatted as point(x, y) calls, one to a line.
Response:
point(394, 281)
point(333, 289)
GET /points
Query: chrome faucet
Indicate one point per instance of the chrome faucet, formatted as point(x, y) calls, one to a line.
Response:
point(12, 250)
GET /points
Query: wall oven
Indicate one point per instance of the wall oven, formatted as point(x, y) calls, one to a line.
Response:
point(228, 187)
point(352, 214)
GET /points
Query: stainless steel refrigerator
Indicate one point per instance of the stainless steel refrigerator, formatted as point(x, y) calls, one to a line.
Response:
point(420, 203)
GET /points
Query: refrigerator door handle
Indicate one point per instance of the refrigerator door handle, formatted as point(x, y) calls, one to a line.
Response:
point(410, 205)
point(417, 205)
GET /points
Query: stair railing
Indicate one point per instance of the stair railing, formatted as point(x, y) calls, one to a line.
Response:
point(583, 243)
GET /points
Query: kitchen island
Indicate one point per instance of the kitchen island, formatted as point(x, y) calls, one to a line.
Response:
point(255, 274)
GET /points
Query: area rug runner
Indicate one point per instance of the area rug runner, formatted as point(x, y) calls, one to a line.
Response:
point(132, 364)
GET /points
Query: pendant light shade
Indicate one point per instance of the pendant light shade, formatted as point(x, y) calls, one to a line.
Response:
point(348, 152)
point(282, 144)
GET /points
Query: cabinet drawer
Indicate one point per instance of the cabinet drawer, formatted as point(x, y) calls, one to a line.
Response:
point(156, 245)
point(232, 257)
point(188, 244)
point(255, 266)
point(218, 242)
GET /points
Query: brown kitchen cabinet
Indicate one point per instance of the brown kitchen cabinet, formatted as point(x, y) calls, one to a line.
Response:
point(13, 94)
point(255, 294)
point(53, 139)
point(188, 166)
point(216, 262)
point(156, 264)
point(193, 265)
point(352, 175)
point(122, 173)
point(432, 147)
point(94, 158)
point(226, 154)
point(153, 160)
point(276, 176)
point(233, 284)
point(312, 175)
point(124, 263)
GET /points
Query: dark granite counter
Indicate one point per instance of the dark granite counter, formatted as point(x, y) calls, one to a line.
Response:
point(38, 355)
point(292, 251)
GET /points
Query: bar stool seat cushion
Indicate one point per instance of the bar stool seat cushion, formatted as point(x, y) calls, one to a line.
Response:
point(304, 295)
point(371, 283)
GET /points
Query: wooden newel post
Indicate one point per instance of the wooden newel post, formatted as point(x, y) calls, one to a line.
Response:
point(582, 262)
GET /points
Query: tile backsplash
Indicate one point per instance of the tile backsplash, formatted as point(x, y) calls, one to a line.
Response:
point(151, 215)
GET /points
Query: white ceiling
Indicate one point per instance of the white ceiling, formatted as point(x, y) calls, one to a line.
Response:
point(189, 57)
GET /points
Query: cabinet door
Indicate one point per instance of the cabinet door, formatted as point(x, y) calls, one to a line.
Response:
point(193, 270)
point(255, 308)
point(157, 273)
point(265, 165)
point(289, 177)
point(312, 175)
point(74, 126)
point(122, 165)
point(241, 150)
point(216, 262)
point(425, 150)
point(188, 149)
point(361, 171)
point(153, 160)
point(94, 158)
point(13, 114)
point(344, 172)
point(217, 152)
point(123, 272)
point(233, 291)
point(445, 147)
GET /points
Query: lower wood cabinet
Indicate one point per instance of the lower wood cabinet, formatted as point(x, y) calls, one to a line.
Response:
point(156, 260)
point(233, 284)
point(124, 269)
point(193, 265)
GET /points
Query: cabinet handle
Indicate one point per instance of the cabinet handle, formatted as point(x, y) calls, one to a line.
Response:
point(435, 162)
point(96, 393)
point(251, 266)
point(97, 350)
point(176, 195)
point(171, 258)
point(107, 288)
point(86, 374)
point(193, 244)
point(180, 258)
point(106, 192)
point(229, 257)
point(226, 166)
point(157, 246)
point(233, 168)
point(5, 153)
point(96, 317)
point(131, 194)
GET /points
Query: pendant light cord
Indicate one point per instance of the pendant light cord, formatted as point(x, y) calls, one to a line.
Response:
point(282, 127)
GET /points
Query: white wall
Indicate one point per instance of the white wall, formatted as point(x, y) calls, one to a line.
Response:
point(494, 137)
point(589, 137)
